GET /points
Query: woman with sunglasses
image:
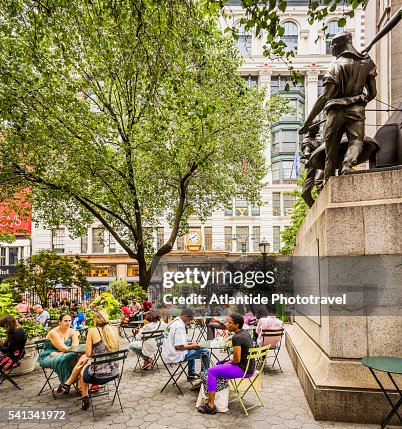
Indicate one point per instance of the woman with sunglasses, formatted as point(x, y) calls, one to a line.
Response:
point(233, 368)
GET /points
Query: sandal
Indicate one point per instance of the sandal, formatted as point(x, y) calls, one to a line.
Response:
point(62, 389)
point(206, 409)
point(86, 403)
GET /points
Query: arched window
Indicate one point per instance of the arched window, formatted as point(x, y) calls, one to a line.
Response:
point(333, 28)
point(244, 40)
point(291, 35)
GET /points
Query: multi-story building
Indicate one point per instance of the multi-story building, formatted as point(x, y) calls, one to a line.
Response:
point(236, 231)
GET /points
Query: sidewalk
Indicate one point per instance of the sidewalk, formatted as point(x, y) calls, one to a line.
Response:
point(146, 408)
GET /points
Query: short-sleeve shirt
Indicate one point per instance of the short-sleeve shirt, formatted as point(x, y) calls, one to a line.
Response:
point(349, 73)
point(42, 318)
point(146, 305)
point(175, 335)
point(244, 340)
point(135, 308)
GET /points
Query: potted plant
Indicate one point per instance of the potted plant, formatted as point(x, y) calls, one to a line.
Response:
point(34, 331)
point(110, 304)
point(54, 314)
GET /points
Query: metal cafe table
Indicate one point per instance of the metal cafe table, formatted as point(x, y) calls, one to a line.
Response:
point(209, 345)
point(201, 322)
point(390, 365)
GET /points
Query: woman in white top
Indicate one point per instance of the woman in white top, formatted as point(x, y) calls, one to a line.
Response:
point(147, 349)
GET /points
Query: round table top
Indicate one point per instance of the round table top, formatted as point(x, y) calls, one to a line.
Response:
point(207, 345)
point(78, 349)
point(386, 364)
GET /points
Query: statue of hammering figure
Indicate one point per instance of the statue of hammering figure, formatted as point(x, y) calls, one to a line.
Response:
point(349, 85)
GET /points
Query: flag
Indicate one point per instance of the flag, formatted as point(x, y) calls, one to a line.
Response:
point(296, 164)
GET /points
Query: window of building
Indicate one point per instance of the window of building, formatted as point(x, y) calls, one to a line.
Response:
point(275, 142)
point(291, 36)
point(256, 238)
point(228, 238)
point(112, 244)
point(2, 256)
point(332, 29)
point(229, 209)
point(98, 242)
point(276, 203)
point(58, 240)
point(84, 243)
point(244, 40)
point(288, 170)
point(289, 140)
point(208, 237)
point(241, 206)
point(133, 271)
point(320, 86)
point(103, 271)
point(278, 83)
point(12, 255)
point(255, 210)
point(277, 238)
point(180, 243)
point(160, 239)
point(242, 238)
point(276, 171)
point(288, 201)
point(251, 80)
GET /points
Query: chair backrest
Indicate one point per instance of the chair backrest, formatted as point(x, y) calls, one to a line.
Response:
point(152, 334)
point(39, 344)
point(259, 353)
point(109, 357)
point(275, 334)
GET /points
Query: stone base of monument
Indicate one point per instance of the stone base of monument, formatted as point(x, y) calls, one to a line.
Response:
point(358, 215)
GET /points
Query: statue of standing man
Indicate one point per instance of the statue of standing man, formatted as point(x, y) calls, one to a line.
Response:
point(349, 85)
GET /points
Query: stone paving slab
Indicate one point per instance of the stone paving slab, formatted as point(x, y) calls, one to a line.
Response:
point(146, 408)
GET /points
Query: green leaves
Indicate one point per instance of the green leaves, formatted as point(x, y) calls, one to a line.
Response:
point(124, 119)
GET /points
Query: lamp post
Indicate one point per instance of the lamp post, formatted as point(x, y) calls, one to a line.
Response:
point(264, 249)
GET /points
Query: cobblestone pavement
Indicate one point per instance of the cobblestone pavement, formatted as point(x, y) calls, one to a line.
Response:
point(146, 408)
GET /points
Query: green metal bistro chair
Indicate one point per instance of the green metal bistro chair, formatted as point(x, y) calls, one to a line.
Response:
point(260, 355)
point(100, 359)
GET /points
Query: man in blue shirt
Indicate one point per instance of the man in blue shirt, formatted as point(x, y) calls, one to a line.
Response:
point(77, 319)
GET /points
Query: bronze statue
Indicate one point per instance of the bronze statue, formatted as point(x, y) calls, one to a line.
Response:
point(349, 85)
point(314, 176)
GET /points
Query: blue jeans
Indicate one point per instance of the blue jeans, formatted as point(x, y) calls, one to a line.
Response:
point(194, 354)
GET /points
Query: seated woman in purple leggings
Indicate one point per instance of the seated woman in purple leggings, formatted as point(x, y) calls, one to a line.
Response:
point(234, 368)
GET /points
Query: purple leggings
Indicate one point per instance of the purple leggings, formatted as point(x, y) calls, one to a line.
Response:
point(223, 371)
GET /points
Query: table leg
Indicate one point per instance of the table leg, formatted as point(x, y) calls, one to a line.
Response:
point(394, 407)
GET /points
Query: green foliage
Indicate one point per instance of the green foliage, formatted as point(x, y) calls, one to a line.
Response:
point(137, 292)
point(299, 213)
point(108, 303)
point(123, 110)
point(41, 272)
point(54, 313)
point(32, 329)
point(121, 289)
point(7, 303)
point(3, 335)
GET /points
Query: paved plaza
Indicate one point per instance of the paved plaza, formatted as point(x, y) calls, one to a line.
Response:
point(146, 408)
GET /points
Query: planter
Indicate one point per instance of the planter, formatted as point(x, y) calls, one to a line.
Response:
point(28, 362)
point(53, 323)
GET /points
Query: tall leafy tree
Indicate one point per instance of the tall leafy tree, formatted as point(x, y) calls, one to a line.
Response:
point(121, 111)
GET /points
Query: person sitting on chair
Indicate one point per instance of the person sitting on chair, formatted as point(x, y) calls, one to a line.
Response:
point(101, 339)
point(220, 323)
point(11, 351)
point(42, 316)
point(55, 353)
point(269, 322)
point(234, 368)
point(148, 349)
point(176, 348)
